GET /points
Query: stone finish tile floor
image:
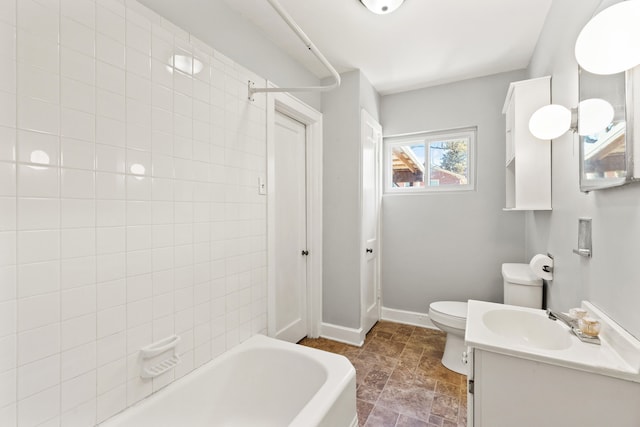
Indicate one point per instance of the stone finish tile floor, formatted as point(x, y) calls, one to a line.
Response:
point(400, 380)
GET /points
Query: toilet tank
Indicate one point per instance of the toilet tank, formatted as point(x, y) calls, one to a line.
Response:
point(521, 286)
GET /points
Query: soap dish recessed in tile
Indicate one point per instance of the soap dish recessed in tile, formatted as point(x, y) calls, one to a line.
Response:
point(159, 357)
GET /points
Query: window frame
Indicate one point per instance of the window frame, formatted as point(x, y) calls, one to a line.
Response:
point(426, 138)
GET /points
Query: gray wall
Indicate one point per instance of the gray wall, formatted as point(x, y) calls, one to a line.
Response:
point(341, 268)
point(233, 35)
point(341, 197)
point(610, 278)
point(449, 246)
point(370, 99)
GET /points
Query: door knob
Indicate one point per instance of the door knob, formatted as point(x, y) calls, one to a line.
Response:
point(305, 252)
point(369, 250)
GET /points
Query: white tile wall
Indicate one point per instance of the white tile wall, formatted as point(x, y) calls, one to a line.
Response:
point(129, 209)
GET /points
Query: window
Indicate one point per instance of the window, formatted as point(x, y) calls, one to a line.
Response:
point(431, 161)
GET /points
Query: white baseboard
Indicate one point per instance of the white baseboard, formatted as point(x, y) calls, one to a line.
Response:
point(407, 317)
point(356, 336)
point(341, 334)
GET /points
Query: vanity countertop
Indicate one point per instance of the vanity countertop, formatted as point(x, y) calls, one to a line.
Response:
point(618, 355)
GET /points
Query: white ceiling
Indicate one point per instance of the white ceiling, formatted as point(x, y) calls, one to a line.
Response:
point(424, 43)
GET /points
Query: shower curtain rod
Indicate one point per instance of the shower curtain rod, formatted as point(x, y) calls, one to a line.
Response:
point(309, 44)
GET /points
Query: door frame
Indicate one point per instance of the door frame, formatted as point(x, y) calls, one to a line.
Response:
point(366, 117)
point(312, 119)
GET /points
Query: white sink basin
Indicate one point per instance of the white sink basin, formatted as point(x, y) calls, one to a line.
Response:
point(527, 329)
point(529, 333)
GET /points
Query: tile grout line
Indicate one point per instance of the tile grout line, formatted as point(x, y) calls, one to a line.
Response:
point(15, 160)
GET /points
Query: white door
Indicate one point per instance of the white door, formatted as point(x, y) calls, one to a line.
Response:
point(371, 135)
point(289, 191)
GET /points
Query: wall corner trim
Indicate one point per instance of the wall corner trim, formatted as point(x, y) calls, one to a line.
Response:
point(407, 317)
point(342, 334)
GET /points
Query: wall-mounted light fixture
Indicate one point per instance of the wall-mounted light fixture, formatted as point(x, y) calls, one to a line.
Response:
point(382, 7)
point(552, 121)
point(610, 42)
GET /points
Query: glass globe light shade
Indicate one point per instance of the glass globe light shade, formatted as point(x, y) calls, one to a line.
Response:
point(550, 121)
point(382, 7)
point(594, 115)
point(610, 42)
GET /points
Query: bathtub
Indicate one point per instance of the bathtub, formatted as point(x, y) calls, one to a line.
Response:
point(262, 382)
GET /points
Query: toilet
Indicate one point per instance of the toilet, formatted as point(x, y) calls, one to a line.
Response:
point(521, 287)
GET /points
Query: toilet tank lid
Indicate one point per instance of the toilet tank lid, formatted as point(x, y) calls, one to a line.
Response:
point(520, 274)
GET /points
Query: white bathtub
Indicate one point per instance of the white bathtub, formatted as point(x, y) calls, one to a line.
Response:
point(262, 382)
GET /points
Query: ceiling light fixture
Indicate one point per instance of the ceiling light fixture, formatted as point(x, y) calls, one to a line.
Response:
point(382, 7)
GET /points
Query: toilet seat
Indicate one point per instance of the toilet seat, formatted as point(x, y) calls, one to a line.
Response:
point(450, 313)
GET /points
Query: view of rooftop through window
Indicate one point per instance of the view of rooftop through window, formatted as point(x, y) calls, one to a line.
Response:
point(445, 162)
point(430, 161)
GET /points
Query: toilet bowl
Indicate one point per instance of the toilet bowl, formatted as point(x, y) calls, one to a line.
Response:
point(521, 287)
point(451, 318)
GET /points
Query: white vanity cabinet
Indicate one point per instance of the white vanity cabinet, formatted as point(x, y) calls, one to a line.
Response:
point(526, 370)
point(528, 159)
point(508, 391)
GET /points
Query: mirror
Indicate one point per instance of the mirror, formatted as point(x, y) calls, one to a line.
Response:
point(604, 150)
